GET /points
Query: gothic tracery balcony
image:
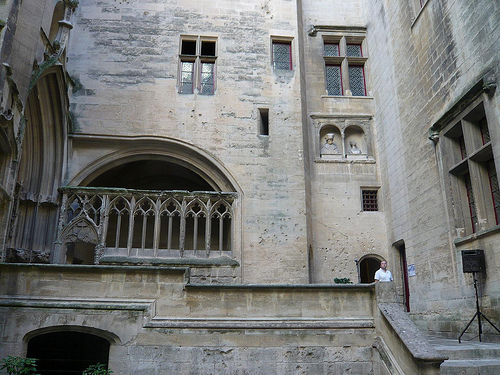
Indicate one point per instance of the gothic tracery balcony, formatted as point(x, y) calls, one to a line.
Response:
point(105, 224)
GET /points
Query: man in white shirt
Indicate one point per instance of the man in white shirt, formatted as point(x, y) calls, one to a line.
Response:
point(383, 274)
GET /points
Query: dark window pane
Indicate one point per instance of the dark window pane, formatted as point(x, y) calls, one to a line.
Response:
point(333, 80)
point(208, 48)
point(495, 190)
point(472, 202)
point(357, 80)
point(282, 56)
point(188, 47)
point(331, 49)
point(354, 50)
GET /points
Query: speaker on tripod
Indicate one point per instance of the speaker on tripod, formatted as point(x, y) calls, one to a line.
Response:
point(473, 262)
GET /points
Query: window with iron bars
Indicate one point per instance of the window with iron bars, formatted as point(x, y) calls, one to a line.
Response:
point(197, 65)
point(369, 199)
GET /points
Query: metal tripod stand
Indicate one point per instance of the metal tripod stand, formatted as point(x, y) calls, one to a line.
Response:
point(478, 314)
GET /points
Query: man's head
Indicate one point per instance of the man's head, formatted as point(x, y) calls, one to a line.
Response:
point(383, 265)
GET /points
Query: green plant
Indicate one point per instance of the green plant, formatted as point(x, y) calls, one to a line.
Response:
point(19, 365)
point(98, 369)
point(343, 280)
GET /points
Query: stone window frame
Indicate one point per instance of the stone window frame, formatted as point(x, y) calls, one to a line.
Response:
point(345, 61)
point(469, 162)
point(282, 40)
point(198, 60)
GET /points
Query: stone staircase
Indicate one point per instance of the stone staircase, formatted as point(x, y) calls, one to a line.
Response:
point(468, 357)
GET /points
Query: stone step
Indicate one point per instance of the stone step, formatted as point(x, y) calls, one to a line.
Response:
point(467, 357)
point(466, 349)
point(471, 367)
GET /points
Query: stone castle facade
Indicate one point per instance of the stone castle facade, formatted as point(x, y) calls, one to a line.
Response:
point(183, 181)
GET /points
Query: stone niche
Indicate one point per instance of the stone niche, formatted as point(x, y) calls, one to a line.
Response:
point(343, 138)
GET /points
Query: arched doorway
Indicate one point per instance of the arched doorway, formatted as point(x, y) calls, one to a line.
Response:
point(367, 268)
point(67, 352)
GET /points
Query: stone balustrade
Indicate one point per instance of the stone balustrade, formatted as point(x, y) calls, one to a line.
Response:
point(146, 223)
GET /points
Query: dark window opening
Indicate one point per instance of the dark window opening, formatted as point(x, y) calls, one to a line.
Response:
point(151, 175)
point(264, 121)
point(370, 201)
point(188, 47)
point(207, 48)
point(471, 201)
point(494, 187)
point(367, 269)
point(67, 352)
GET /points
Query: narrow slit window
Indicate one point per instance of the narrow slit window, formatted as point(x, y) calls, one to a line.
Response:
point(263, 121)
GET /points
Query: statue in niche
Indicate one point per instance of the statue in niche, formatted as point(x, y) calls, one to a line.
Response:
point(329, 148)
point(354, 150)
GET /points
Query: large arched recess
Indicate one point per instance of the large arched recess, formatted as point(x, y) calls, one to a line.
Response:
point(179, 156)
point(41, 166)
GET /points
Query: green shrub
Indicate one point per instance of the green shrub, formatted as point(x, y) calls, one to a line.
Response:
point(343, 280)
point(98, 369)
point(19, 366)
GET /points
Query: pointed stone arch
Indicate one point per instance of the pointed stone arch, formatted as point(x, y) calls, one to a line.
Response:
point(41, 167)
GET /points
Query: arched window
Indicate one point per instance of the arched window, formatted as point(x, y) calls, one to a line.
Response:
point(67, 352)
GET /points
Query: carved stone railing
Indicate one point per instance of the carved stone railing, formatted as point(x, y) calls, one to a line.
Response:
point(146, 224)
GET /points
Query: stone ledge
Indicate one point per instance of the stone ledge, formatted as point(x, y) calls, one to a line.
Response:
point(283, 286)
point(410, 335)
point(262, 323)
point(76, 303)
point(93, 267)
point(179, 262)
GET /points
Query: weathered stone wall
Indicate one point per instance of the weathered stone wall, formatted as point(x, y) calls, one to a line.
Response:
point(165, 325)
point(125, 59)
point(342, 232)
point(421, 65)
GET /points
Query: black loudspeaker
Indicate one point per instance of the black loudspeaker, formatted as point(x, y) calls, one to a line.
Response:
point(473, 261)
